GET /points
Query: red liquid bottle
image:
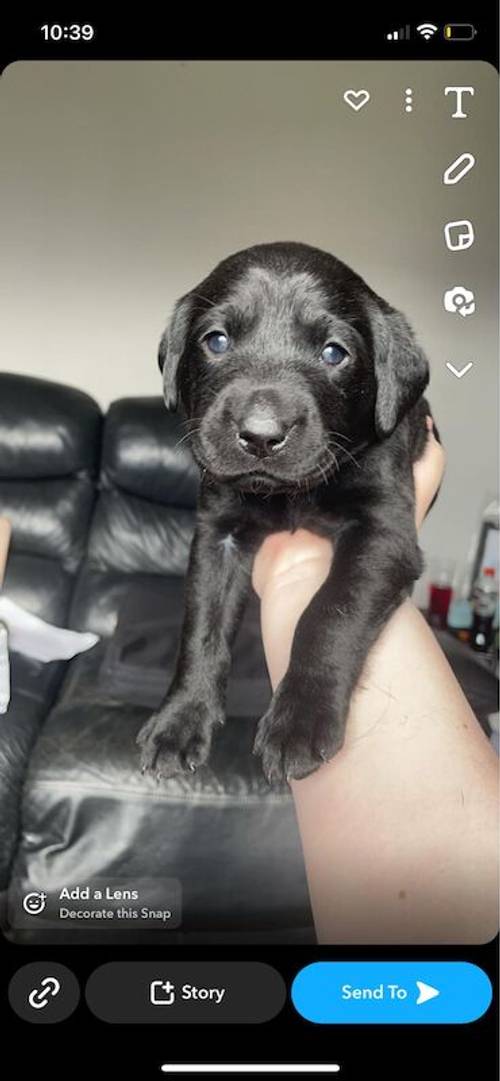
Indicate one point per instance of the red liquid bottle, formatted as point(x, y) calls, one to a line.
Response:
point(440, 594)
point(439, 603)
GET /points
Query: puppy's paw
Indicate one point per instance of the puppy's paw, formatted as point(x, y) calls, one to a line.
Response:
point(298, 733)
point(177, 739)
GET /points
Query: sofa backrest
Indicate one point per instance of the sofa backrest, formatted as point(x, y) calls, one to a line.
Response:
point(145, 512)
point(148, 487)
point(50, 442)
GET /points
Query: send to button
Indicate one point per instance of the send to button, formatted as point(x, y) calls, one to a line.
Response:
point(391, 992)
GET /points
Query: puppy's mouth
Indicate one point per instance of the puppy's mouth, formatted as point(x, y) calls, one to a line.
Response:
point(265, 475)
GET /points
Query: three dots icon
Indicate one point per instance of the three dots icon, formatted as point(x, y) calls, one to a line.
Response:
point(408, 100)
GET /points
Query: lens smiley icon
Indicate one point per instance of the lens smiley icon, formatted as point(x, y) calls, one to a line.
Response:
point(34, 903)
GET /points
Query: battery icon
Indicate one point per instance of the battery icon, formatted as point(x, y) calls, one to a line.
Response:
point(459, 32)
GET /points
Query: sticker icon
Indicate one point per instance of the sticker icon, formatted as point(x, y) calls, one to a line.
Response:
point(460, 300)
point(459, 168)
point(459, 235)
point(357, 99)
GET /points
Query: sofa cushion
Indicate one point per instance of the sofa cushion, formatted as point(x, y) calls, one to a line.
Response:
point(146, 453)
point(139, 659)
point(227, 836)
point(133, 535)
point(87, 811)
point(40, 585)
point(46, 429)
point(49, 451)
point(49, 518)
point(145, 514)
point(34, 686)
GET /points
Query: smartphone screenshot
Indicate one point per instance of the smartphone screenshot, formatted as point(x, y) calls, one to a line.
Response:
point(249, 564)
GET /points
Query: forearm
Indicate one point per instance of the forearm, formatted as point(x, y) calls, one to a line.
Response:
point(399, 830)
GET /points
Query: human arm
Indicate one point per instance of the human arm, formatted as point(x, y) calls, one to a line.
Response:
point(400, 828)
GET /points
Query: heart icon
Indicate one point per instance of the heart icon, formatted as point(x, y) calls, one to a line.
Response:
point(356, 98)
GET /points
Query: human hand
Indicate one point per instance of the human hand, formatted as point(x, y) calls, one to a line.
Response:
point(428, 474)
point(391, 825)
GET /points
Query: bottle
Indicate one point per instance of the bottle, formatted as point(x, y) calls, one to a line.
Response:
point(440, 592)
point(484, 602)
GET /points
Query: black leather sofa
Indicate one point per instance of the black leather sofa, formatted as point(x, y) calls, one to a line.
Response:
point(102, 510)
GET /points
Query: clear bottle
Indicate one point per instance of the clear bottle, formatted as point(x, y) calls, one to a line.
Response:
point(484, 603)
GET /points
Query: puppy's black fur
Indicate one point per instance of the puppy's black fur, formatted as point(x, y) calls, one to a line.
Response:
point(303, 395)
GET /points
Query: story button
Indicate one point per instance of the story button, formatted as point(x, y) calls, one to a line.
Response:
point(178, 992)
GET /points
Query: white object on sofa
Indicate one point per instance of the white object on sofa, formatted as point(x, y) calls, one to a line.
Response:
point(35, 638)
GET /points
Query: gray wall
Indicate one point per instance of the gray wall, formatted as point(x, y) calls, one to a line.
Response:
point(123, 183)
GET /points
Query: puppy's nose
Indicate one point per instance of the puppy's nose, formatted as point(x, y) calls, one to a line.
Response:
point(262, 433)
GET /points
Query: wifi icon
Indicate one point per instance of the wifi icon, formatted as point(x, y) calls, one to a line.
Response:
point(427, 30)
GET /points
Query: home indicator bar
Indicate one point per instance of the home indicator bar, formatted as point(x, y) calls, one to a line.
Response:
point(251, 1068)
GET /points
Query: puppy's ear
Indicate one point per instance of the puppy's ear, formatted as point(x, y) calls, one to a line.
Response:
point(401, 370)
point(171, 348)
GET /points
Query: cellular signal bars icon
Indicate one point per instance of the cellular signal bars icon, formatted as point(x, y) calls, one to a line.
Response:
point(403, 34)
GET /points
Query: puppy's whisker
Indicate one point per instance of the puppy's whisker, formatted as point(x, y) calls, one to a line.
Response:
point(344, 450)
point(186, 436)
point(331, 464)
point(324, 474)
point(340, 435)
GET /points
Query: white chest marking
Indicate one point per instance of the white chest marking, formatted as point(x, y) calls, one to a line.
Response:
point(228, 544)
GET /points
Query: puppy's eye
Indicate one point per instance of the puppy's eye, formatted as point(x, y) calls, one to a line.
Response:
point(217, 342)
point(334, 354)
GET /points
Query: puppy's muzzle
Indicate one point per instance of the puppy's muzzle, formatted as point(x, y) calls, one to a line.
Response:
point(263, 422)
point(262, 433)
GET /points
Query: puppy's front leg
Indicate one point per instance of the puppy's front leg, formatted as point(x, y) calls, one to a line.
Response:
point(177, 738)
point(375, 563)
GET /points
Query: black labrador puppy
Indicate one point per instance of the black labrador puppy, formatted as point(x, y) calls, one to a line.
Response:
point(303, 395)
